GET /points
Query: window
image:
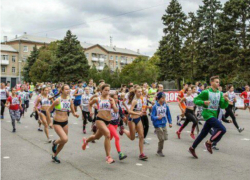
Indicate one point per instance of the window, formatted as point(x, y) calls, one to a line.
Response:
point(25, 48)
point(3, 69)
point(5, 57)
point(13, 69)
point(111, 57)
point(24, 58)
point(13, 58)
point(87, 55)
point(116, 62)
point(132, 59)
point(116, 58)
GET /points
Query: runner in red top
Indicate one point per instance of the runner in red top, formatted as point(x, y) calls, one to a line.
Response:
point(182, 105)
point(246, 96)
point(14, 103)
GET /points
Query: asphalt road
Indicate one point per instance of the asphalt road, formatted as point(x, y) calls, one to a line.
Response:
point(26, 156)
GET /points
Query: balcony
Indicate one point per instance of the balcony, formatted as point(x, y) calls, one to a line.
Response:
point(101, 60)
point(124, 62)
point(100, 68)
point(5, 62)
point(94, 59)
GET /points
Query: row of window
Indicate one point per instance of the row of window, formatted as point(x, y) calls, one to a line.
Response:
point(94, 55)
point(6, 57)
point(4, 69)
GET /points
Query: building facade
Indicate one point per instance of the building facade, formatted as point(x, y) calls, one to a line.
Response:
point(15, 52)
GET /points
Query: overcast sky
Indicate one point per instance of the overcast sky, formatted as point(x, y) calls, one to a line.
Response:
point(138, 30)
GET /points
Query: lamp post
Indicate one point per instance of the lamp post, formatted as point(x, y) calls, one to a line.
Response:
point(20, 70)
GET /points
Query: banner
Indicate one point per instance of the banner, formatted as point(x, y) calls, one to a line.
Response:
point(171, 96)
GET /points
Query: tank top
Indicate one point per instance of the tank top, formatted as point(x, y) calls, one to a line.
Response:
point(22, 94)
point(190, 101)
point(114, 116)
point(231, 96)
point(45, 101)
point(64, 105)
point(79, 91)
point(27, 95)
point(104, 104)
point(3, 95)
point(138, 106)
point(85, 102)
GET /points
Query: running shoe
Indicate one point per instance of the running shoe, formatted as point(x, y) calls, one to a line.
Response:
point(215, 148)
point(19, 122)
point(143, 157)
point(14, 130)
point(178, 134)
point(177, 117)
point(146, 142)
point(93, 141)
point(56, 160)
point(49, 140)
point(122, 156)
point(109, 160)
point(54, 146)
point(121, 130)
point(84, 131)
point(200, 123)
point(2, 117)
point(159, 153)
point(192, 151)
point(192, 136)
point(32, 114)
point(39, 129)
point(240, 130)
point(84, 145)
point(209, 147)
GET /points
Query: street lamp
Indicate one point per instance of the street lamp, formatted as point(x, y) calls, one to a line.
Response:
point(20, 70)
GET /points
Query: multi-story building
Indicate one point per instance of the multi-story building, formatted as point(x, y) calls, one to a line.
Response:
point(20, 48)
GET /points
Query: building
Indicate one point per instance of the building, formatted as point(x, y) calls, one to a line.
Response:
point(20, 48)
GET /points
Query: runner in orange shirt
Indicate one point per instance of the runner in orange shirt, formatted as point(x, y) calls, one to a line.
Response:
point(182, 105)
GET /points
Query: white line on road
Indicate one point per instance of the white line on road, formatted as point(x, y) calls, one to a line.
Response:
point(245, 139)
point(51, 135)
point(138, 164)
point(75, 123)
point(6, 157)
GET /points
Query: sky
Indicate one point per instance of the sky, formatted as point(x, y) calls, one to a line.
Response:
point(132, 24)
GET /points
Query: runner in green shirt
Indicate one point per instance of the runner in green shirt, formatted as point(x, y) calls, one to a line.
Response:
point(211, 99)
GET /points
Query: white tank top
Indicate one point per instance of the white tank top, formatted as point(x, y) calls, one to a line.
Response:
point(104, 104)
point(3, 94)
point(45, 101)
point(231, 96)
point(190, 101)
point(85, 102)
point(138, 106)
point(114, 116)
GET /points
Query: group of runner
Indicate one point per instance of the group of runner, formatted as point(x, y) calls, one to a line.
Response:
point(130, 106)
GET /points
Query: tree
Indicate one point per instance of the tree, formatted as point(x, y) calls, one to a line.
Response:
point(94, 74)
point(106, 74)
point(170, 45)
point(208, 15)
point(29, 63)
point(70, 64)
point(139, 71)
point(189, 50)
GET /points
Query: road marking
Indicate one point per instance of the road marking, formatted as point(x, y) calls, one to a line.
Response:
point(245, 139)
point(75, 123)
point(51, 135)
point(205, 150)
point(149, 138)
point(87, 147)
point(138, 164)
point(188, 131)
point(6, 157)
